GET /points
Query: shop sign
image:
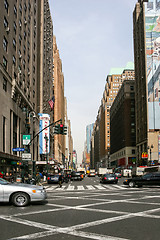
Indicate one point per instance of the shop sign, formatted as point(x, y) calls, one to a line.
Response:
point(144, 155)
point(26, 156)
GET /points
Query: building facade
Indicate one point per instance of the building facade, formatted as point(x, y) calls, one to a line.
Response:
point(122, 127)
point(101, 131)
point(23, 83)
point(147, 71)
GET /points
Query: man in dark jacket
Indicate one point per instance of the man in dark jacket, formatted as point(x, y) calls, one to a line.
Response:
point(60, 180)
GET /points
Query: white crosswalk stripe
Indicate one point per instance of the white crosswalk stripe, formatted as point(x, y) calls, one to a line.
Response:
point(83, 187)
point(70, 188)
point(90, 187)
point(99, 187)
point(80, 188)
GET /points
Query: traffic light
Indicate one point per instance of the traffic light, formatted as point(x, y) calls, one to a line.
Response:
point(64, 130)
point(61, 126)
point(57, 129)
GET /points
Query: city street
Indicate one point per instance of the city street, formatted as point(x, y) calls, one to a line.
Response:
point(86, 210)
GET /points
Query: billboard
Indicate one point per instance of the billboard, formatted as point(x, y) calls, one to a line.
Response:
point(152, 32)
point(44, 136)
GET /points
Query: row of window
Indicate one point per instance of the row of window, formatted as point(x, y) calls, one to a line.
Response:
point(6, 6)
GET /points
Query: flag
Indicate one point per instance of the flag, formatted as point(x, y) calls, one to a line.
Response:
point(51, 102)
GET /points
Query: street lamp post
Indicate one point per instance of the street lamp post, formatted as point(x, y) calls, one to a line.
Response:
point(150, 149)
point(46, 138)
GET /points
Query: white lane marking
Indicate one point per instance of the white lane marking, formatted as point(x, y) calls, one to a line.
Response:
point(28, 223)
point(35, 235)
point(90, 187)
point(73, 233)
point(99, 187)
point(94, 236)
point(69, 230)
point(70, 188)
point(120, 187)
point(80, 188)
point(60, 188)
point(49, 189)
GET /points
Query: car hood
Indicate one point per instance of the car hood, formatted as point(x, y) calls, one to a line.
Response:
point(26, 185)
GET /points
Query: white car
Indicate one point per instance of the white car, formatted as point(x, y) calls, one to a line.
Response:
point(21, 194)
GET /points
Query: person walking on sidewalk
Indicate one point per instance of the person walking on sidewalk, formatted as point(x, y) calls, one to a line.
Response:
point(60, 180)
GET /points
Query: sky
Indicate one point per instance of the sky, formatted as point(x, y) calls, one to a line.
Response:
point(92, 36)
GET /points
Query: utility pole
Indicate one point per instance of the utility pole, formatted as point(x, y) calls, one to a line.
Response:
point(46, 138)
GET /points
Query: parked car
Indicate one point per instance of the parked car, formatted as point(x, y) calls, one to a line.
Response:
point(118, 174)
point(91, 174)
point(152, 178)
point(76, 176)
point(109, 178)
point(53, 178)
point(20, 194)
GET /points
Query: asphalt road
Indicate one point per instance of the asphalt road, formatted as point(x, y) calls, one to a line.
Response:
point(86, 210)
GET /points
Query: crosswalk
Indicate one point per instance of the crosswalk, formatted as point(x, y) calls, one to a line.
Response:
point(83, 187)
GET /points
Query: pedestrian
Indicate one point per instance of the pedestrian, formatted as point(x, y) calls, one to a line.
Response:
point(60, 180)
point(41, 175)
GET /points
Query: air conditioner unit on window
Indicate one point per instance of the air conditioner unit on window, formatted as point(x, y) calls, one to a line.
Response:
point(7, 29)
point(20, 56)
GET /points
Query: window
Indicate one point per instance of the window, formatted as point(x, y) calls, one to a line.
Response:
point(24, 49)
point(20, 23)
point(14, 43)
point(24, 35)
point(25, 7)
point(14, 60)
point(14, 27)
point(20, 39)
point(20, 8)
point(5, 44)
point(133, 151)
point(24, 64)
point(14, 131)
point(131, 88)
point(5, 22)
point(5, 63)
point(15, 10)
point(4, 134)
point(5, 84)
point(6, 5)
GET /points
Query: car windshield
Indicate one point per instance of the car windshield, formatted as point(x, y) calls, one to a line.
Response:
point(109, 175)
point(3, 182)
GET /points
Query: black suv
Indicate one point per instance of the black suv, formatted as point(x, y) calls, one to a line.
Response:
point(76, 176)
point(152, 178)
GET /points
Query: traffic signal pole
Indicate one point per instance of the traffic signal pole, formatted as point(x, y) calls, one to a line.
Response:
point(52, 124)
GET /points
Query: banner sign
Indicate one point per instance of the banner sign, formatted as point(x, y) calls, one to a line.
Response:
point(44, 136)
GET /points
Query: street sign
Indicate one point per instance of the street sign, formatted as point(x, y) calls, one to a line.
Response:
point(26, 139)
point(18, 149)
point(26, 156)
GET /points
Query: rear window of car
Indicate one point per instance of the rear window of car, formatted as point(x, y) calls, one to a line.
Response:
point(109, 175)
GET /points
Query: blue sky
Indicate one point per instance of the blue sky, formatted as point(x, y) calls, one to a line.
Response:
point(92, 37)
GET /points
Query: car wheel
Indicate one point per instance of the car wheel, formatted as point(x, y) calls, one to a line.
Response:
point(131, 184)
point(20, 199)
